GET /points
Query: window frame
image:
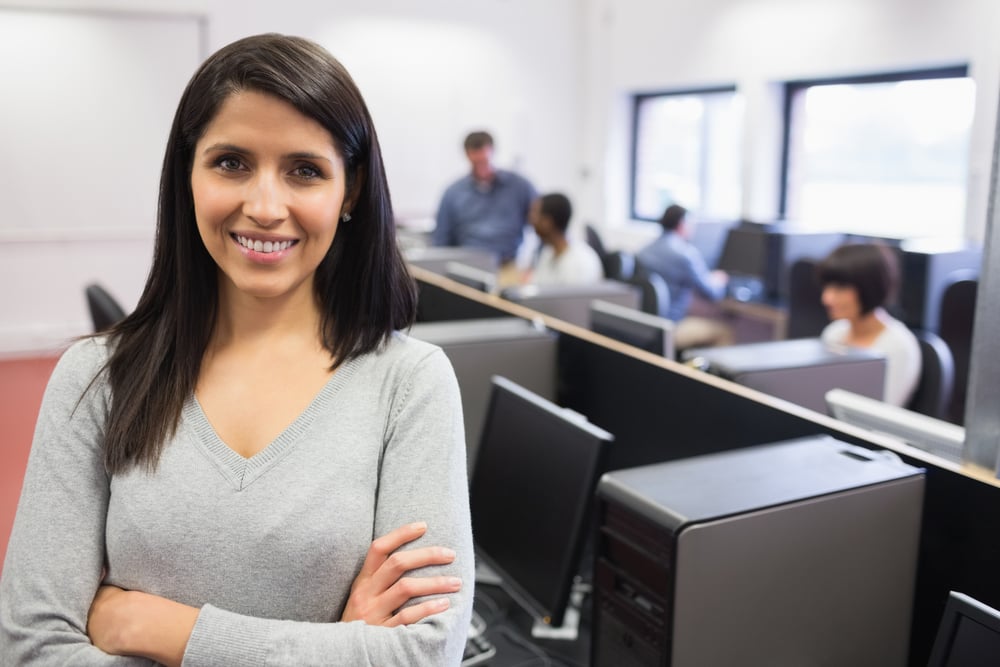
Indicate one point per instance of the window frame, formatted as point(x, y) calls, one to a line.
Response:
point(637, 101)
point(791, 87)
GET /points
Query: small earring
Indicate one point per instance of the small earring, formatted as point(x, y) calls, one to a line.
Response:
point(345, 217)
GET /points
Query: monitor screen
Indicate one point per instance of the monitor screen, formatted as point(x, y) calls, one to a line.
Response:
point(531, 492)
point(633, 327)
point(932, 435)
point(471, 276)
point(968, 636)
point(746, 252)
point(571, 303)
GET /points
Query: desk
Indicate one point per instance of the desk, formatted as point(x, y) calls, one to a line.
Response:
point(751, 321)
point(508, 626)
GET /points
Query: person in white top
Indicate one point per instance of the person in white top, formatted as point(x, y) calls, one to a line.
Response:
point(858, 280)
point(561, 261)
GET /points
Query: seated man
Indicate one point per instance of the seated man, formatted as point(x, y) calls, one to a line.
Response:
point(487, 208)
point(682, 267)
point(561, 261)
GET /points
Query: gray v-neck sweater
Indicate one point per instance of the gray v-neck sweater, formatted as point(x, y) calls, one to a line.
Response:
point(268, 546)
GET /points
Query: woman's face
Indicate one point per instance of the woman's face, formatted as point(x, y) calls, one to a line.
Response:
point(268, 186)
point(841, 301)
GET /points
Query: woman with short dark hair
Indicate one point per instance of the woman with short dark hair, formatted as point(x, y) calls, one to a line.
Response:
point(255, 466)
point(858, 281)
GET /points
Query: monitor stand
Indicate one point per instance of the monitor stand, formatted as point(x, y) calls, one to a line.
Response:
point(570, 628)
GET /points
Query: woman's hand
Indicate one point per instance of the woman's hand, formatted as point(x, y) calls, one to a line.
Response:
point(380, 589)
point(124, 622)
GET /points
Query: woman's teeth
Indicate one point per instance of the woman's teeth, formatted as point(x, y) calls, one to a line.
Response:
point(263, 246)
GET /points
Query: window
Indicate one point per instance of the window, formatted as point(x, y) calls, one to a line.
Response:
point(686, 150)
point(883, 155)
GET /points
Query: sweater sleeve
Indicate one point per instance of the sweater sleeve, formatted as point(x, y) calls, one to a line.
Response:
point(56, 551)
point(422, 477)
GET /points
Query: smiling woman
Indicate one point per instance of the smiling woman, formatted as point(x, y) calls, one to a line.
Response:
point(255, 466)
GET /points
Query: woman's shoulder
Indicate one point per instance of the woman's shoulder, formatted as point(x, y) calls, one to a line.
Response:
point(402, 352)
point(85, 356)
point(835, 331)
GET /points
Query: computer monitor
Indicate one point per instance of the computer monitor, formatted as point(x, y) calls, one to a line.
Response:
point(745, 251)
point(531, 493)
point(633, 327)
point(936, 436)
point(437, 258)
point(471, 276)
point(968, 635)
point(571, 303)
point(758, 257)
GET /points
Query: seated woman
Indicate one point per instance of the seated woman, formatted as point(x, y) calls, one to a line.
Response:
point(858, 280)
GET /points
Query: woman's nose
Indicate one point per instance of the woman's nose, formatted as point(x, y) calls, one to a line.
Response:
point(265, 201)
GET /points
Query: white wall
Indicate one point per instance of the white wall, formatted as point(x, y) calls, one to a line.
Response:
point(430, 71)
point(756, 44)
point(552, 79)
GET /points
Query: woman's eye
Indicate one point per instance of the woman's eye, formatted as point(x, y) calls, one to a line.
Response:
point(307, 172)
point(229, 163)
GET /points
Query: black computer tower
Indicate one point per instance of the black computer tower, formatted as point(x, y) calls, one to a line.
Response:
point(795, 553)
point(926, 269)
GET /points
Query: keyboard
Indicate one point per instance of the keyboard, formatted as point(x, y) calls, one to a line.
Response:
point(478, 649)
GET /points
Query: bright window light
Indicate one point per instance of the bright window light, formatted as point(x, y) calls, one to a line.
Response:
point(881, 158)
point(687, 151)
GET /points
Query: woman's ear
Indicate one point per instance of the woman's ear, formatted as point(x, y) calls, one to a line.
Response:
point(353, 192)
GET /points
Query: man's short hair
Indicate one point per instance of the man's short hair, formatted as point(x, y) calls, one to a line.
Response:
point(673, 217)
point(557, 207)
point(476, 140)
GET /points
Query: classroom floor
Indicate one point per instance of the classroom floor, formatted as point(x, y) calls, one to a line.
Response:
point(22, 383)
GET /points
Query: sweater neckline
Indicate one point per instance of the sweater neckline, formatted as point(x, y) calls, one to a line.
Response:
point(240, 471)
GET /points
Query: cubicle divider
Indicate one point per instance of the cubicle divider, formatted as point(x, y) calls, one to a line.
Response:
point(659, 410)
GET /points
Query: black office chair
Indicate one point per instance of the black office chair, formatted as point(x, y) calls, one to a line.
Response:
point(806, 315)
point(654, 293)
point(595, 242)
point(937, 377)
point(955, 320)
point(619, 265)
point(104, 309)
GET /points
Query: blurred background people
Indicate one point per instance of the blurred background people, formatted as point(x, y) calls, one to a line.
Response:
point(683, 268)
point(561, 261)
point(487, 208)
point(858, 280)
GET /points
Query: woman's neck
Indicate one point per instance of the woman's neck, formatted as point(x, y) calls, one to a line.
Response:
point(245, 320)
point(866, 328)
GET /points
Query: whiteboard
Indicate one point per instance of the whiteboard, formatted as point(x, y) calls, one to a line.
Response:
point(86, 103)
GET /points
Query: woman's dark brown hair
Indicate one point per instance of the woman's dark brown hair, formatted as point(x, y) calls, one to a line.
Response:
point(362, 286)
point(870, 268)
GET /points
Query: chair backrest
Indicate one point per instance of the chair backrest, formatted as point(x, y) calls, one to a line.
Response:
point(595, 242)
point(655, 294)
point(806, 315)
point(104, 309)
point(619, 265)
point(937, 377)
point(956, 316)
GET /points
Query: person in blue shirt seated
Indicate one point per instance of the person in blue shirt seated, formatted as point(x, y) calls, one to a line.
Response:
point(561, 261)
point(858, 280)
point(487, 208)
point(683, 268)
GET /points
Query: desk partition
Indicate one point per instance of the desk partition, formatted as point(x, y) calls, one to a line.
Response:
point(659, 410)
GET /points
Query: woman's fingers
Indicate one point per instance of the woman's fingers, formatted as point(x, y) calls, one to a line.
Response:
point(401, 562)
point(382, 589)
point(418, 612)
point(382, 547)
